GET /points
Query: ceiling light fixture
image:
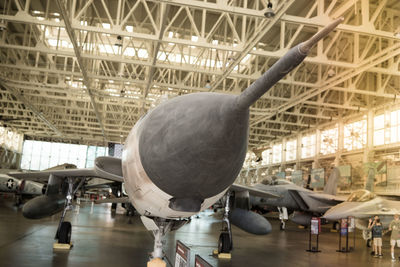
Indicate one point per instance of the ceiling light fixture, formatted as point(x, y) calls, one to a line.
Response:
point(270, 12)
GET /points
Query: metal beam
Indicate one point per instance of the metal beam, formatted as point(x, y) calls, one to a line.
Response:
point(39, 114)
point(86, 81)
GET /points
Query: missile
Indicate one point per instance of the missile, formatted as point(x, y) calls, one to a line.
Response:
point(183, 155)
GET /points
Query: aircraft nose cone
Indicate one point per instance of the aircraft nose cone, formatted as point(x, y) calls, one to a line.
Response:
point(341, 211)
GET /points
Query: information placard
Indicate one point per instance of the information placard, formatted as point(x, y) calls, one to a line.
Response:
point(200, 262)
point(182, 255)
point(315, 226)
point(297, 177)
point(343, 227)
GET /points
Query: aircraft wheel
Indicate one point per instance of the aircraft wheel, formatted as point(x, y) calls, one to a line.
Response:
point(224, 244)
point(113, 206)
point(282, 226)
point(369, 241)
point(64, 236)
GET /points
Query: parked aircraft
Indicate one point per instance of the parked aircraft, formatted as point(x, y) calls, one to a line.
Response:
point(172, 163)
point(304, 203)
point(20, 188)
point(363, 205)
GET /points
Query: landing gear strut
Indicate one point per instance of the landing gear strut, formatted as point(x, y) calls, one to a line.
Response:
point(283, 215)
point(225, 239)
point(64, 229)
point(159, 228)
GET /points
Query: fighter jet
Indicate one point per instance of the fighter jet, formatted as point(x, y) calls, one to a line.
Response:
point(20, 188)
point(171, 164)
point(304, 203)
point(363, 205)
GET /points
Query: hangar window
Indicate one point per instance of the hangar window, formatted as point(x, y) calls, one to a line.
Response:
point(395, 126)
point(308, 146)
point(38, 155)
point(387, 128)
point(277, 153)
point(379, 130)
point(329, 141)
point(291, 149)
point(355, 135)
point(266, 156)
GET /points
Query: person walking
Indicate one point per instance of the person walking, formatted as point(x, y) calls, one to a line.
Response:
point(395, 237)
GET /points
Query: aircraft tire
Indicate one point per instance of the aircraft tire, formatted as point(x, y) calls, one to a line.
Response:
point(224, 245)
point(369, 241)
point(282, 226)
point(64, 236)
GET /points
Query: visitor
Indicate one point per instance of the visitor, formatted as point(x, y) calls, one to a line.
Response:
point(395, 237)
point(377, 230)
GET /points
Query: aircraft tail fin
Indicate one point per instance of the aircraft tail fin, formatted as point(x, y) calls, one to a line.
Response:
point(369, 185)
point(331, 185)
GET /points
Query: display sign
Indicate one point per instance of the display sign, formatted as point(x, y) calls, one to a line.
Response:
point(315, 226)
point(345, 170)
point(351, 223)
point(343, 227)
point(182, 255)
point(317, 178)
point(297, 177)
point(200, 262)
point(280, 175)
point(345, 175)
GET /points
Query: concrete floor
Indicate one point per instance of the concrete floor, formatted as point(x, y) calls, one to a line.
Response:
point(104, 239)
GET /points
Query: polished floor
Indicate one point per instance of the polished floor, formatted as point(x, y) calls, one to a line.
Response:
point(102, 238)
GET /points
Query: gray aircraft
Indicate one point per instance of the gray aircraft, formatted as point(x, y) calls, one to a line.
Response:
point(20, 188)
point(304, 203)
point(171, 165)
point(363, 205)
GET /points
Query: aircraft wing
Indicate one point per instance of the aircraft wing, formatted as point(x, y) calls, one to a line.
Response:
point(253, 191)
point(105, 167)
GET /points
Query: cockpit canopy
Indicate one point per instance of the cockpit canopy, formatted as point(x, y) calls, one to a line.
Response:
point(361, 196)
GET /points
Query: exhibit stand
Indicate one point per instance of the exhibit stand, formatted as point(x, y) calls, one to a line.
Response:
point(200, 262)
point(182, 255)
point(315, 230)
point(347, 226)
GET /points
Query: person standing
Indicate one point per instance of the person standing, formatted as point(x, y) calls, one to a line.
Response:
point(395, 237)
point(370, 225)
point(377, 230)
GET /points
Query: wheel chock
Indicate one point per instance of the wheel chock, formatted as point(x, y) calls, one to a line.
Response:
point(301, 227)
point(156, 262)
point(334, 230)
point(221, 255)
point(224, 256)
point(60, 246)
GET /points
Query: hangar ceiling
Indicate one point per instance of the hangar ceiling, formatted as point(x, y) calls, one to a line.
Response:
point(86, 70)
